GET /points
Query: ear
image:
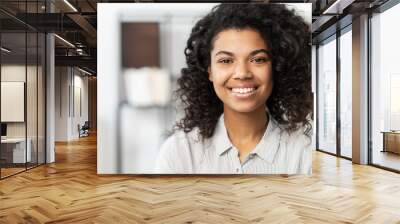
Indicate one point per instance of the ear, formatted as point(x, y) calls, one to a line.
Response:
point(209, 74)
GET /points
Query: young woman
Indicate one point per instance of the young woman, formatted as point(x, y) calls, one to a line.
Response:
point(246, 93)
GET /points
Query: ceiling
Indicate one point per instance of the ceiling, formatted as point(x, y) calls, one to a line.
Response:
point(76, 22)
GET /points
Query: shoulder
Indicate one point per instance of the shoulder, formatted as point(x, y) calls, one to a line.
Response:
point(299, 148)
point(180, 141)
point(177, 152)
point(297, 138)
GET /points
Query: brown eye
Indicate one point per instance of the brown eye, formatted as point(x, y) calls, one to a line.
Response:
point(259, 60)
point(225, 61)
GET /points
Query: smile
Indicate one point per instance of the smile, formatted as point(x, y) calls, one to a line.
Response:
point(243, 92)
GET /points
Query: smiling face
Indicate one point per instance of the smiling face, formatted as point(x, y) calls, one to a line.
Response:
point(240, 70)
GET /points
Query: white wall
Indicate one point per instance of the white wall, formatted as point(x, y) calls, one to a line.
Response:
point(12, 73)
point(68, 82)
point(80, 83)
point(12, 101)
point(61, 103)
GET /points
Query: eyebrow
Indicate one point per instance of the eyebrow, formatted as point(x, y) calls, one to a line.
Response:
point(251, 54)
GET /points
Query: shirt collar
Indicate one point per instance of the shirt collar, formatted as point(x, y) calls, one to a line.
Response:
point(266, 149)
point(221, 139)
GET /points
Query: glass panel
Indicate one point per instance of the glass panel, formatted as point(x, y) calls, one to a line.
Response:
point(31, 86)
point(23, 89)
point(327, 96)
point(31, 99)
point(41, 98)
point(346, 94)
point(13, 89)
point(385, 84)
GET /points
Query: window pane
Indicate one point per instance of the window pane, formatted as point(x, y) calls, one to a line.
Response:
point(327, 97)
point(385, 84)
point(346, 94)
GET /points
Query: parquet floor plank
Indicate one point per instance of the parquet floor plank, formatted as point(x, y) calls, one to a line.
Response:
point(70, 191)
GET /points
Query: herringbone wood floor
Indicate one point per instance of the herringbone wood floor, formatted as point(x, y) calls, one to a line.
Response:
point(70, 191)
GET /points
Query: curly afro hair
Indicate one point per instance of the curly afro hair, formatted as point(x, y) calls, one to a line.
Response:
point(289, 40)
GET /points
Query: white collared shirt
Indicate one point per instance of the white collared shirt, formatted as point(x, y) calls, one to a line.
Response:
point(278, 152)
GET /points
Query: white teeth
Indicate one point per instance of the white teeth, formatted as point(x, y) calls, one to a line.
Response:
point(243, 90)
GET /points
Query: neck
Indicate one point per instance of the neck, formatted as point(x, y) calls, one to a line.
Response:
point(245, 130)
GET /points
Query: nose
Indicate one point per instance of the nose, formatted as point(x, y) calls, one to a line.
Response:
point(242, 71)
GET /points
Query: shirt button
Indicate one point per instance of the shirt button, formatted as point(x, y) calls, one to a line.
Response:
point(237, 170)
